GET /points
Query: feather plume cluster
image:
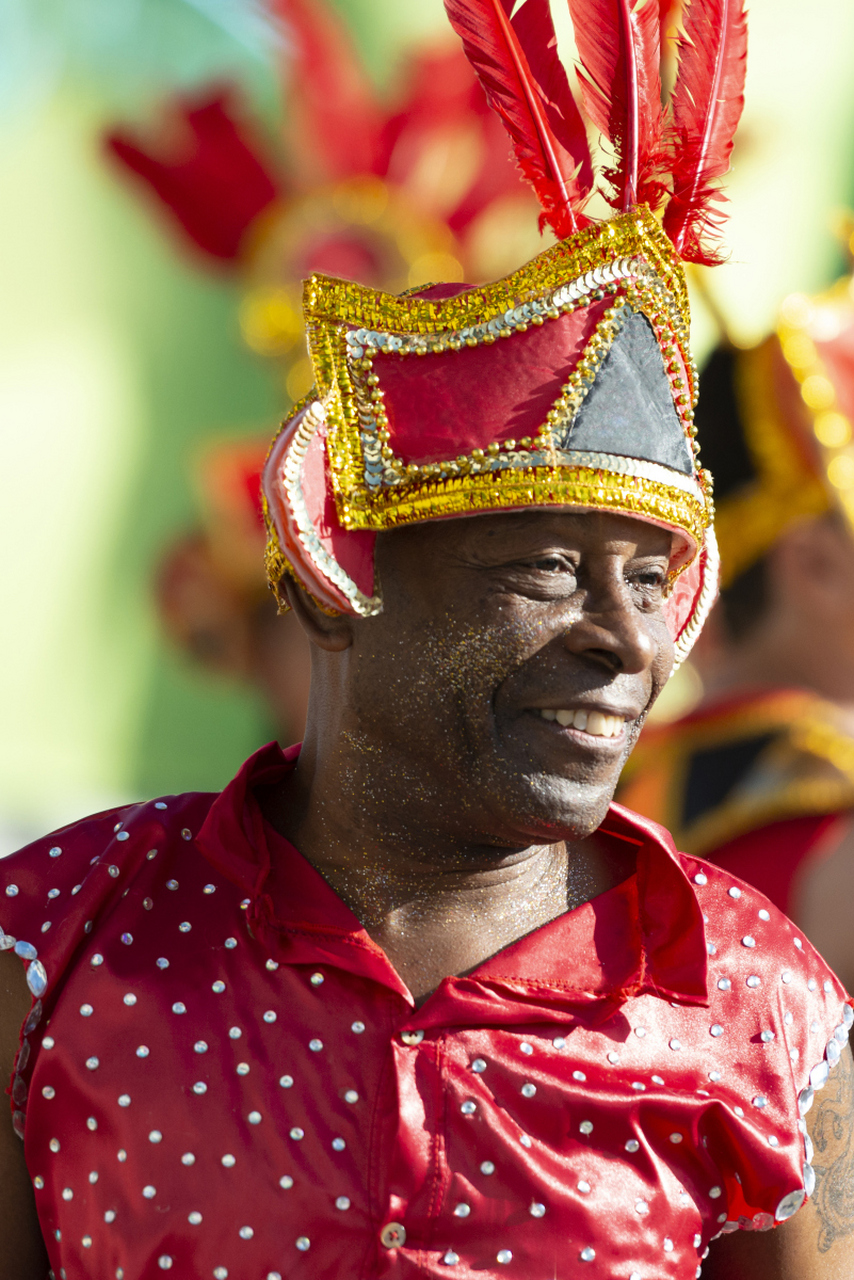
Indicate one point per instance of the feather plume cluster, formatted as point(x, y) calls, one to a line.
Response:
point(674, 154)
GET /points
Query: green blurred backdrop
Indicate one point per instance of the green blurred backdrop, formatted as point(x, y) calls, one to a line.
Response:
point(117, 355)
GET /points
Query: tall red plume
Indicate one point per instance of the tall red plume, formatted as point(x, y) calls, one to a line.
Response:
point(337, 114)
point(497, 175)
point(518, 65)
point(707, 102)
point(206, 167)
point(619, 45)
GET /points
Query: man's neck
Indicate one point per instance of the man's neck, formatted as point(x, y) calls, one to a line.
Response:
point(437, 906)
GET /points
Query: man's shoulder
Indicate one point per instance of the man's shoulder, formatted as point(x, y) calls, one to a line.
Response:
point(750, 939)
point(166, 814)
point(740, 920)
point(75, 872)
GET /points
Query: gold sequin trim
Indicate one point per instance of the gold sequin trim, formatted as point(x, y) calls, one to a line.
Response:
point(341, 302)
point(290, 477)
point(544, 487)
point(364, 465)
point(374, 487)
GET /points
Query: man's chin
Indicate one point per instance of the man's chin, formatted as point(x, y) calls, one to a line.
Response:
point(542, 808)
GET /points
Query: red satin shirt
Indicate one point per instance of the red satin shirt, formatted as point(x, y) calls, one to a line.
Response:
point(223, 1085)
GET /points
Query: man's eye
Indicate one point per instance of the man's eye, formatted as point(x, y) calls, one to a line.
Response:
point(550, 564)
point(648, 577)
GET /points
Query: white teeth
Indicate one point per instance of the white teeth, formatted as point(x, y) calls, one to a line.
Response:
point(597, 724)
point(592, 722)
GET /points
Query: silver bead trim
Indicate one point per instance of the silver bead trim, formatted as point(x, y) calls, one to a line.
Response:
point(628, 270)
point(816, 1079)
point(312, 418)
point(37, 983)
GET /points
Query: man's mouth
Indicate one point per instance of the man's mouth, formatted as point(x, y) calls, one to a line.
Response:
point(596, 723)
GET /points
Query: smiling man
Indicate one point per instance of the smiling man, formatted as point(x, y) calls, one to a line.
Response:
point(415, 999)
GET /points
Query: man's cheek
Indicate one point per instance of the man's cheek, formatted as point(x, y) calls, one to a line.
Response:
point(662, 664)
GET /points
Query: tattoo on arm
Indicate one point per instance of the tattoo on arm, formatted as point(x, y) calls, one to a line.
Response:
point(832, 1133)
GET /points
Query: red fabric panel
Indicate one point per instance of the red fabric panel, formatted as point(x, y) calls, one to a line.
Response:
point(450, 404)
point(354, 551)
point(679, 607)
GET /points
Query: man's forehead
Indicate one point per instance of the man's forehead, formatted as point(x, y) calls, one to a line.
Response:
point(587, 528)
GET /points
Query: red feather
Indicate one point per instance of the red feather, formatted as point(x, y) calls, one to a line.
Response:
point(336, 117)
point(205, 165)
point(619, 45)
point(707, 102)
point(534, 26)
point(533, 99)
point(668, 16)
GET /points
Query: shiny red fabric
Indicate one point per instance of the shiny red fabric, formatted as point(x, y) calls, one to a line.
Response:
point(226, 1077)
point(464, 400)
point(351, 549)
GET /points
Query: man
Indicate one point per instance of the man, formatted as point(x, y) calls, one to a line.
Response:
point(482, 1022)
point(760, 777)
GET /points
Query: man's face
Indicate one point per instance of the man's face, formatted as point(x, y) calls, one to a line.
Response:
point(508, 676)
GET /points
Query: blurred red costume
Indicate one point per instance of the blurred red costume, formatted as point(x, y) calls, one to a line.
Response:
point(760, 783)
point(761, 780)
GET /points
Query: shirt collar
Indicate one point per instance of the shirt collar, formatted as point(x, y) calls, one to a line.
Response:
point(645, 936)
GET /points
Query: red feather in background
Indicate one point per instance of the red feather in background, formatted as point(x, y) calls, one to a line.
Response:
point(619, 46)
point(707, 102)
point(337, 116)
point(208, 165)
point(537, 108)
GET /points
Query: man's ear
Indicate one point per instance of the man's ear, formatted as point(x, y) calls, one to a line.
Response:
point(330, 631)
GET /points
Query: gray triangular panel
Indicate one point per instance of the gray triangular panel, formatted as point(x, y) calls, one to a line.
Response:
point(629, 410)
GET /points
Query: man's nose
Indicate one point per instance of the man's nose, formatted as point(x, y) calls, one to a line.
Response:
point(612, 630)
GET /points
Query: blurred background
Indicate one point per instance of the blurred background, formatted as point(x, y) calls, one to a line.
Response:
point(123, 352)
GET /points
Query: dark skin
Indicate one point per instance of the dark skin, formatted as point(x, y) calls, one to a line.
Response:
point(452, 817)
point(430, 793)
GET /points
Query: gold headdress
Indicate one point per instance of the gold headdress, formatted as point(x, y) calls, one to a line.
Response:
point(570, 382)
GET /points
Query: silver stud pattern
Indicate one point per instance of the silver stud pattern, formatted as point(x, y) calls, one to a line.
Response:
point(208, 1008)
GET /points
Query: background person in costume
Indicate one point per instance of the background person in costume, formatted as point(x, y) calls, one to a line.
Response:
point(395, 194)
point(392, 194)
point(212, 596)
point(760, 777)
point(483, 1019)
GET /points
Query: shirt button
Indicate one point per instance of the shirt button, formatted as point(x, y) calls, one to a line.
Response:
point(393, 1234)
point(412, 1037)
